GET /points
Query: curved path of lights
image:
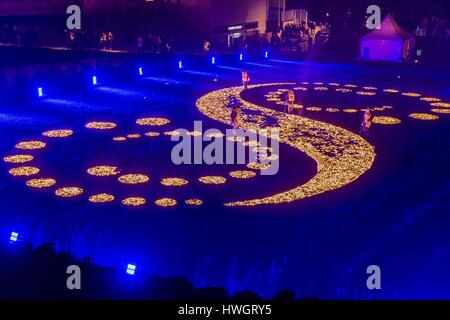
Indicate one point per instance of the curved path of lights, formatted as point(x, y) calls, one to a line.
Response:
point(341, 155)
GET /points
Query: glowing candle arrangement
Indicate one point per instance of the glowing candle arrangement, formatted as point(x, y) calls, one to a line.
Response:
point(212, 180)
point(242, 174)
point(134, 179)
point(152, 134)
point(174, 182)
point(30, 145)
point(57, 133)
point(194, 133)
point(101, 125)
point(69, 192)
point(215, 135)
point(134, 136)
point(423, 116)
point(443, 111)
point(103, 171)
point(156, 122)
point(134, 201)
point(194, 202)
point(166, 202)
point(172, 133)
point(411, 94)
point(258, 166)
point(101, 198)
point(386, 120)
point(341, 155)
point(365, 93)
point(24, 171)
point(41, 183)
point(430, 99)
point(441, 104)
point(19, 158)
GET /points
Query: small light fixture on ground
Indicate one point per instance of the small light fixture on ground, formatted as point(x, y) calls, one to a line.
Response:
point(94, 80)
point(141, 71)
point(180, 64)
point(131, 269)
point(40, 92)
point(266, 55)
point(213, 60)
point(14, 236)
point(241, 57)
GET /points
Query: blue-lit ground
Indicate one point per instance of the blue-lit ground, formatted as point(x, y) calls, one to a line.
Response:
point(395, 215)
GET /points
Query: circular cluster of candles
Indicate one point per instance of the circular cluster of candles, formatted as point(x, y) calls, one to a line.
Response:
point(101, 198)
point(57, 133)
point(439, 106)
point(19, 158)
point(103, 171)
point(41, 183)
point(24, 171)
point(386, 120)
point(101, 125)
point(152, 121)
point(174, 182)
point(212, 180)
point(68, 192)
point(423, 116)
point(166, 202)
point(30, 145)
point(242, 174)
point(134, 178)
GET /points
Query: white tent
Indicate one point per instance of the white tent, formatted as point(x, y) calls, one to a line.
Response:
point(389, 43)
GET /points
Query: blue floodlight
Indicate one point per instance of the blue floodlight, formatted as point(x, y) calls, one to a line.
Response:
point(40, 92)
point(213, 60)
point(141, 71)
point(14, 236)
point(241, 57)
point(131, 269)
point(180, 64)
point(94, 80)
point(266, 54)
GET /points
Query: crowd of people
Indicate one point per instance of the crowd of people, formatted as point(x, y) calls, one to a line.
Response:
point(20, 35)
point(154, 43)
